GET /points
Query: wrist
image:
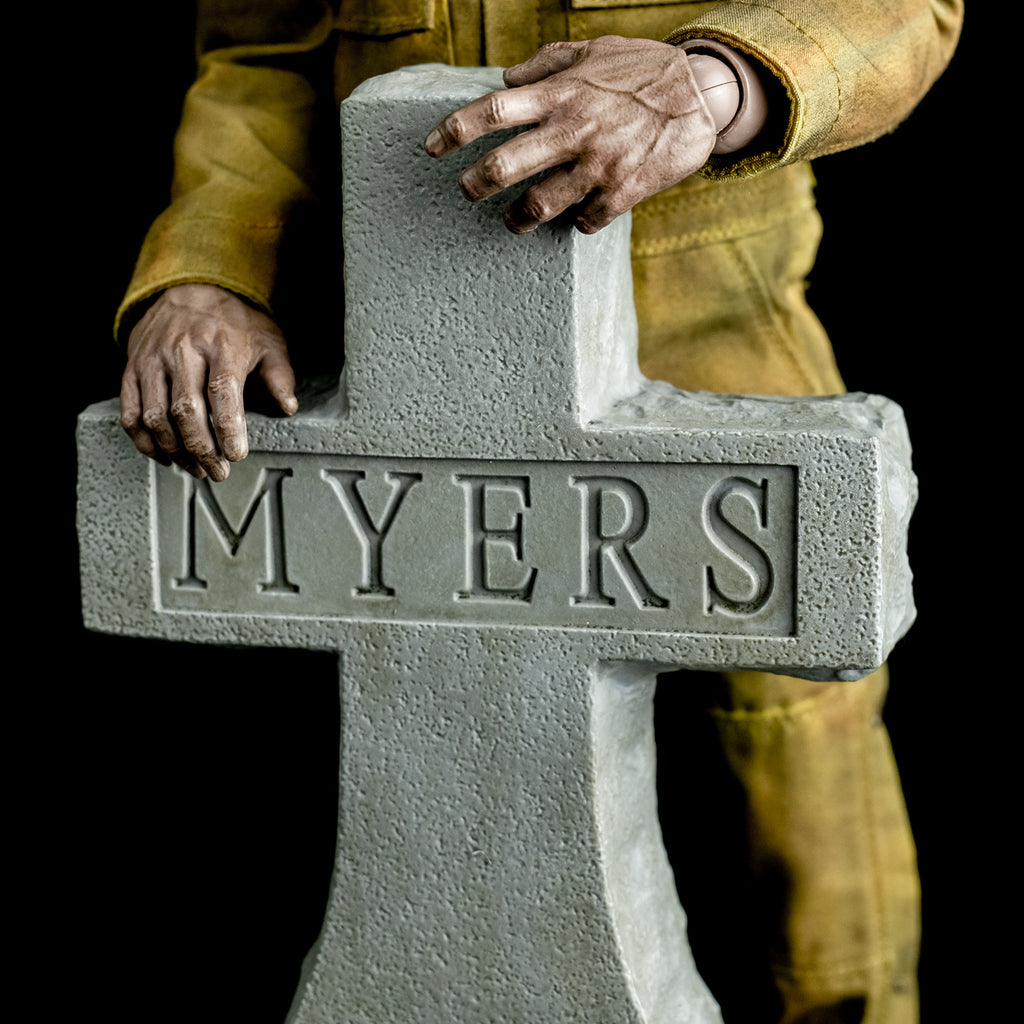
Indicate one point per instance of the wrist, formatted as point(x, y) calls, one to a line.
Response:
point(732, 91)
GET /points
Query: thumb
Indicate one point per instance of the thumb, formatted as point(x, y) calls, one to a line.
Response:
point(548, 60)
point(279, 378)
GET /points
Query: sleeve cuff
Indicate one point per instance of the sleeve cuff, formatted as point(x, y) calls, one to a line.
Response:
point(241, 258)
point(764, 35)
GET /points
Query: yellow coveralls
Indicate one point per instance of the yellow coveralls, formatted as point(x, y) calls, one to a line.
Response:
point(719, 264)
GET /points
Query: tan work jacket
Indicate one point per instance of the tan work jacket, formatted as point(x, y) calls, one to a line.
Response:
point(719, 267)
point(719, 260)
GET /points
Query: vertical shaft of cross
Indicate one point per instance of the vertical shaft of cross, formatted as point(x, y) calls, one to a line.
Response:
point(499, 854)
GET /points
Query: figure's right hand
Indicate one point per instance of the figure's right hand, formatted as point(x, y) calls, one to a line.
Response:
point(188, 359)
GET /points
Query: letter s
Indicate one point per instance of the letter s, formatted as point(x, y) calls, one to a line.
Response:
point(738, 548)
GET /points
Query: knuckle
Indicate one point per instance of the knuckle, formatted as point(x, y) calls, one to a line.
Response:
point(271, 339)
point(188, 407)
point(182, 344)
point(572, 136)
point(455, 128)
point(494, 108)
point(494, 169)
point(619, 200)
point(154, 417)
point(222, 384)
point(554, 50)
point(537, 208)
point(146, 366)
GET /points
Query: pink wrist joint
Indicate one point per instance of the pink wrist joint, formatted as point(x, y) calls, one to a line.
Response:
point(732, 91)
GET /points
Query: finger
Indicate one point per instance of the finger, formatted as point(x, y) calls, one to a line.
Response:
point(131, 420)
point(155, 417)
point(190, 415)
point(548, 60)
point(487, 114)
point(279, 379)
point(546, 200)
point(516, 160)
point(601, 208)
point(227, 414)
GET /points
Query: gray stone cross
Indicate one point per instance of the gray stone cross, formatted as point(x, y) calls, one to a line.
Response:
point(506, 532)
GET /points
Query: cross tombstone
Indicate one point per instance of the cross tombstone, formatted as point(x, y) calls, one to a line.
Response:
point(506, 533)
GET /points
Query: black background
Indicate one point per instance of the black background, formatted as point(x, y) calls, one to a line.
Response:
point(178, 801)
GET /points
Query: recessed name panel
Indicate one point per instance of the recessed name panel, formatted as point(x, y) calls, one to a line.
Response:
point(664, 547)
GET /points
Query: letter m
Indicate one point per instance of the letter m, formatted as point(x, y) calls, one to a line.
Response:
point(199, 492)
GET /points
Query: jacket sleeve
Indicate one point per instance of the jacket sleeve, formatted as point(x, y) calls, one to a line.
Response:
point(246, 158)
point(844, 71)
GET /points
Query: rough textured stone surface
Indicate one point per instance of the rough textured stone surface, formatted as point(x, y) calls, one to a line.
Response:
point(499, 854)
point(506, 533)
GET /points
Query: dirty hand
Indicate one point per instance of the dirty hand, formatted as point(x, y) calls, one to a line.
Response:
point(188, 359)
point(618, 120)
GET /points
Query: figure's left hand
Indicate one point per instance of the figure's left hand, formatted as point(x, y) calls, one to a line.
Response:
point(618, 120)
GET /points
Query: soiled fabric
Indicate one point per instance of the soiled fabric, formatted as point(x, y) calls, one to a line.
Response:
point(720, 263)
point(256, 151)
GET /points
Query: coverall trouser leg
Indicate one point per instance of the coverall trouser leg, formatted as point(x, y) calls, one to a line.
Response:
point(831, 866)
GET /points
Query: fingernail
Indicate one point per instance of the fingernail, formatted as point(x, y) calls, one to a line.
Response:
point(219, 470)
point(235, 449)
point(290, 406)
point(515, 227)
point(433, 142)
point(468, 179)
